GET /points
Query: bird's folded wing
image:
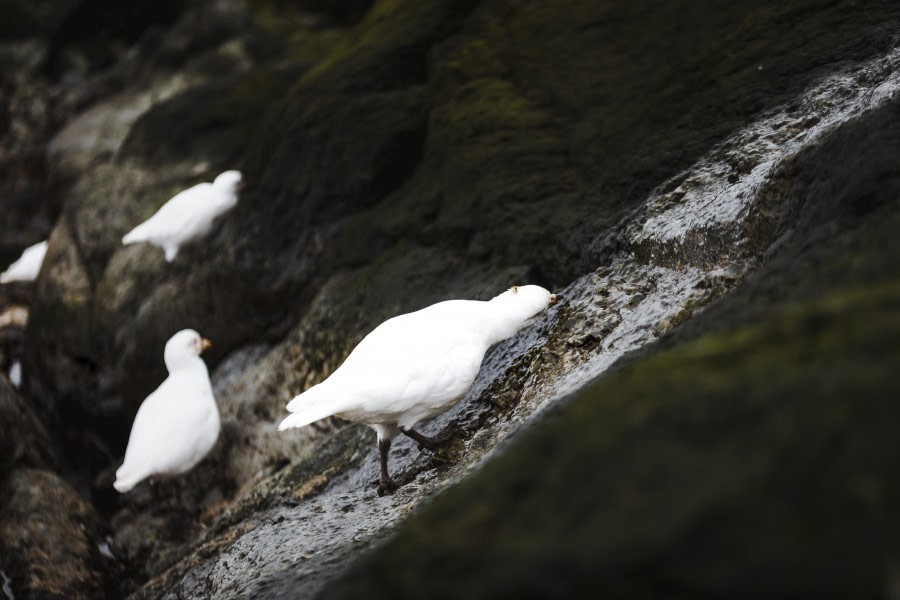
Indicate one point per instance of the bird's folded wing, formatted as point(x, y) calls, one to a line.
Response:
point(424, 368)
point(180, 213)
point(163, 430)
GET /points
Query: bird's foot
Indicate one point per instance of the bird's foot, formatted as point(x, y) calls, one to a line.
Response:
point(392, 484)
point(432, 444)
point(387, 486)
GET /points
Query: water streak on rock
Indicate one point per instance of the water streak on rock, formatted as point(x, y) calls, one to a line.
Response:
point(719, 189)
point(693, 208)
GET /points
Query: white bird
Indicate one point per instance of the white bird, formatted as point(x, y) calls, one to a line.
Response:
point(28, 266)
point(415, 366)
point(15, 374)
point(188, 215)
point(178, 424)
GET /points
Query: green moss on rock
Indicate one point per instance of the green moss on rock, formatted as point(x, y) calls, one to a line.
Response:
point(757, 462)
point(750, 454)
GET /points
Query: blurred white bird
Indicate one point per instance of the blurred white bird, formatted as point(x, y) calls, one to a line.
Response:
point(28, 266)
point(15, 374)
point(178, 424)
point(415, 366)
point(188, 215)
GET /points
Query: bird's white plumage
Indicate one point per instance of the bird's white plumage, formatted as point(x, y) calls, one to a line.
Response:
point(27, 267)
point(188, 215)
point(415, 366)
point(178, 424)
point(15, 374)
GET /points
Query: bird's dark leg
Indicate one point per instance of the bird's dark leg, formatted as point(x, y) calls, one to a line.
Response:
point(387, 484)
point(430, 443)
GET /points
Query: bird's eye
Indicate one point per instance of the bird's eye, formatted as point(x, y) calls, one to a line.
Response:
point(514, 289)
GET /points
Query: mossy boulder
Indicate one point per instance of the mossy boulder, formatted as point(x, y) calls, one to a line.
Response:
point(749, 454)
point(24, 439)
point(49, 535)
point(757, 462)
point(50, 538)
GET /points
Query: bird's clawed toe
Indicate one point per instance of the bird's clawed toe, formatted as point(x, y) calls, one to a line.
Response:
point(430, 444)
point(387, 486)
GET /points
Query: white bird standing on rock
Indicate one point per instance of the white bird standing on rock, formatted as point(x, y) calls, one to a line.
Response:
point(178, 424)
point(27, 267)
point(188, 215)
point(415, 366)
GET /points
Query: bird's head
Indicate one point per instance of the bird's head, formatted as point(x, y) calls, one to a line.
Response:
point(231, 181)
point(531, 299)
point(183, 348)
point(517, 307)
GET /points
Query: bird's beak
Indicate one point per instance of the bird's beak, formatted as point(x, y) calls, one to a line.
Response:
point(553, 299)
point(205, 344)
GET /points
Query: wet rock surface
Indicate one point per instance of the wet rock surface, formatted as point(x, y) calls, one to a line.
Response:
point(705, 466)
point(692, 180)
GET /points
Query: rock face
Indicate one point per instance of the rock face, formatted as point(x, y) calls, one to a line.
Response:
point(710, 189)
point(25, 440)
point(49, 536)
point(727, 464)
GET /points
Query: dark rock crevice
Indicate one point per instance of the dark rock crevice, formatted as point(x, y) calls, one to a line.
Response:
point(95, 26)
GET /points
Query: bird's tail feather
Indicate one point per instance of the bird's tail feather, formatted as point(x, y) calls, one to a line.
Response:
point(133, 236)
point(310, 406)
point(123, 486)
point(125, 481)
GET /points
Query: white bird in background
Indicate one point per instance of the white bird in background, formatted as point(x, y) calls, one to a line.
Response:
point(28, 266)
point(415, 366)
point(188, 215)
point(178, 424)
point(15, 374)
